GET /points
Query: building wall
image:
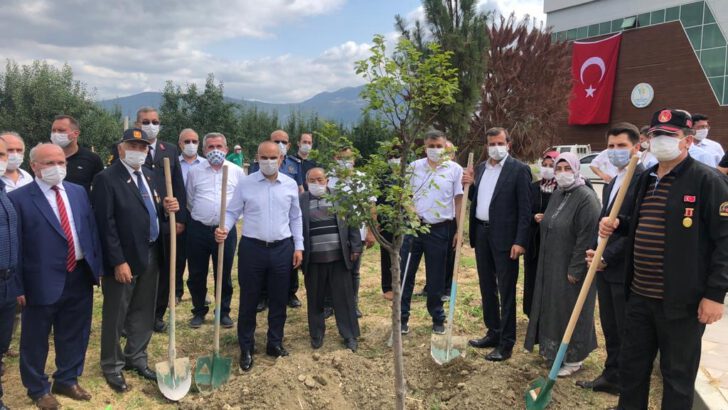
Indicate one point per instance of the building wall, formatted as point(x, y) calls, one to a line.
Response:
point(662, 56)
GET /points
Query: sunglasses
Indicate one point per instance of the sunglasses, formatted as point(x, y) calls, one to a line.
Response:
point(147, 122)
point(281, 142)
point(190, 142)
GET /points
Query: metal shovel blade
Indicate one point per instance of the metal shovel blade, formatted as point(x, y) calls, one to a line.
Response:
point(174, 382)
point(212, 372)
point(444, 351)
point(538, 395)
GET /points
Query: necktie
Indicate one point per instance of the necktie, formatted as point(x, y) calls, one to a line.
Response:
point(151, 210)
point(150, 157)
point(66, 226)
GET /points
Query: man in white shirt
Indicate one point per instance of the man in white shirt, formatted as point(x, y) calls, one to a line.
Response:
point(701, 140)
point(602, 167)
point(14, 176)
point(204, 187)
point(271, 244)
point(437, 193)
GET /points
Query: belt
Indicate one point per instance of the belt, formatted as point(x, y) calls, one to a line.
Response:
point(483, 223)
point(265, 244)
point(435, 225)
point(208, 227)
point(4, 274)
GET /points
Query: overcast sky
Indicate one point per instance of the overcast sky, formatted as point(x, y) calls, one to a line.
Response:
point(268, 50)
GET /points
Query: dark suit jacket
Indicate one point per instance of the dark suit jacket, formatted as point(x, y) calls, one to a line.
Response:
point(165, 150)
point(614, 253)
point(122, 217)
point(43, 247)
point(510, 207)
point(349, 237)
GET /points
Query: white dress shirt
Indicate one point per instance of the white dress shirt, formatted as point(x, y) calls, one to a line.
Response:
point(186, 166)
point(703, 156)
point(203, 187)
point(333, 180)
point(486, 188)
point(434, 190)
point(50, 195)
point(647, 159)
point(602, 162)
point(153, 194)
point(621, 173)
point(270, 209)
point(23, 179)
point(713, 148)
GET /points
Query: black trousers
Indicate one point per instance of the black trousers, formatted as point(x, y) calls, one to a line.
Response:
point(611, 313)
point(450, 264)
point(385, 263)
point(181, 264)
point(333, 279)
point(530, 267)
point(293, 286)
point(647, 331)
point(434, 246)
point(497, 274)
point(7, 317)
point(201, 246)
point(259, 265)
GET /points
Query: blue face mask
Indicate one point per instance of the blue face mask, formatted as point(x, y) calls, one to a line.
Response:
point(619, 157)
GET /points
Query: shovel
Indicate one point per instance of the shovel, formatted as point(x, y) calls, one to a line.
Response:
point(173, 375)
point(538, 395)
point(213, 371)
point(444, 348)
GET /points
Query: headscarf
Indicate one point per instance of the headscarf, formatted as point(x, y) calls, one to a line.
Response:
point(548, 185)
point(573, 161)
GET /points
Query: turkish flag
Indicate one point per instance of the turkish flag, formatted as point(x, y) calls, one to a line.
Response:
point(593, 69)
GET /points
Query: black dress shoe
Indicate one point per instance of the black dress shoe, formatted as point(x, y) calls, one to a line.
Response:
point(317, 342)
point(159, 325)
point(293, 302)
point(498, 355)
point(262, 305)
point(146, 372)
point(116, 382)
point(351, 344)
point(246, 360)
point(600, 384)
point(276, 351)
point(226, 322)
point(487, 341)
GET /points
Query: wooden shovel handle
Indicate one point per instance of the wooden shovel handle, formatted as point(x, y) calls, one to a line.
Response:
point(220, 257)
point(172, 261)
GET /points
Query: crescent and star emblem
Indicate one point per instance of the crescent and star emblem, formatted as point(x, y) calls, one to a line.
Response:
point(597, 61)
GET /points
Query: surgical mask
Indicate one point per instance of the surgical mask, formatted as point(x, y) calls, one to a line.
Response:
point(498, 152)
point(547, 172)
point(14, 160)
point(3, 166)
point(190, 150)
point(60, 139)
point(701, 134)
point(345, 163)
point(268, 166)
point(435, 154)
point(317, 190)
point(152, 130)
point(619, 157)
point(665, 148)
point(305, 148)
point(216, 157)
point(565, 179)
point(645, 145)
point(393, 162)
point(283, 148)
point(135, 159)
point(53, 175)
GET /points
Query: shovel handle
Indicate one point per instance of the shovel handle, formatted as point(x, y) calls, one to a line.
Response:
point(220, 256)
point(172, 264)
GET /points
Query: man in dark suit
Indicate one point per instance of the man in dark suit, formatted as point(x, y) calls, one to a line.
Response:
point(148, 121)
point(129, 215)
point(500, 213)
point(55, 221)
point(622, 145)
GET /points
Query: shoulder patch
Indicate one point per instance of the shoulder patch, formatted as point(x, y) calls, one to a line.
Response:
point(723, 209)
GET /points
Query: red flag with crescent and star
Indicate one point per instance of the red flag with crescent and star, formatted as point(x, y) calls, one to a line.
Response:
point(593, 70)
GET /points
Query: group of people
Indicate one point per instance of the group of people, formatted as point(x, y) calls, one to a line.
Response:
point(662, 278)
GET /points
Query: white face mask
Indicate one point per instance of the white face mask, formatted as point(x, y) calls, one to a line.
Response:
point(152, 130)
point(14, 160)
point(565, 179)
point(60, 138)
point(305, 148)
point(317, 190)
point(268, 166)
point(53, 175)
point(135, 159)
point(345, 163)
point(665, 148)
point(547, 172)
point(393, 162)
point(190, 150)
point(3, 166)
point(498, 152)
point(435, 154)
point(701, 134)
point(283, 148)
point(645, 145)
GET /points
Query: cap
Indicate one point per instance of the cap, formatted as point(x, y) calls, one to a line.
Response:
point(135, 134)
point(670, 121)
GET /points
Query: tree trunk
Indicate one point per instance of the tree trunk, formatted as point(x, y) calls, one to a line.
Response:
point(399, 380)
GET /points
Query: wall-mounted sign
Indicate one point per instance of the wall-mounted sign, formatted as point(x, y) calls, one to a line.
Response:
point(642, 95)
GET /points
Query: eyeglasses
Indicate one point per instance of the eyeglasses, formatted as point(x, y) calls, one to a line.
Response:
point(281, 142)
point(147, 122)
point(190, 141)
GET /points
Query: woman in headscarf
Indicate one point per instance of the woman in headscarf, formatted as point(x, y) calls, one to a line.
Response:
point(568, 228)
point(541, 191)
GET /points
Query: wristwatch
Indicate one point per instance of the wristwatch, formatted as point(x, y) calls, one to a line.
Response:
point(603, 262)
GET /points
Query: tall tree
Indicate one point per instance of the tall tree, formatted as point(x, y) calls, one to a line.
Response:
point(460, 28)
point(527, 87)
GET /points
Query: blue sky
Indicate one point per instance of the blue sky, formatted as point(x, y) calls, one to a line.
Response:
point(268, 50)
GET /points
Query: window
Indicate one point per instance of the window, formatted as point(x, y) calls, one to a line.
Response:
point(594, 30)
point(712, 37)
point(713, 61)
point(692, 14)
point(582, 32)
point(717, 84)
point(643, 20)
point(694, 35)
point(617, 25)
point(605, 28)
point(629, 22)
point(657, 17)
point(672, 14)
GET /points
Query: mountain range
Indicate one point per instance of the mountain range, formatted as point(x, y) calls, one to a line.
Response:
point(341, 106)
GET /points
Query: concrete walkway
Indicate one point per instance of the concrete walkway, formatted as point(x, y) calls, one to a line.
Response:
point(711, 384)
